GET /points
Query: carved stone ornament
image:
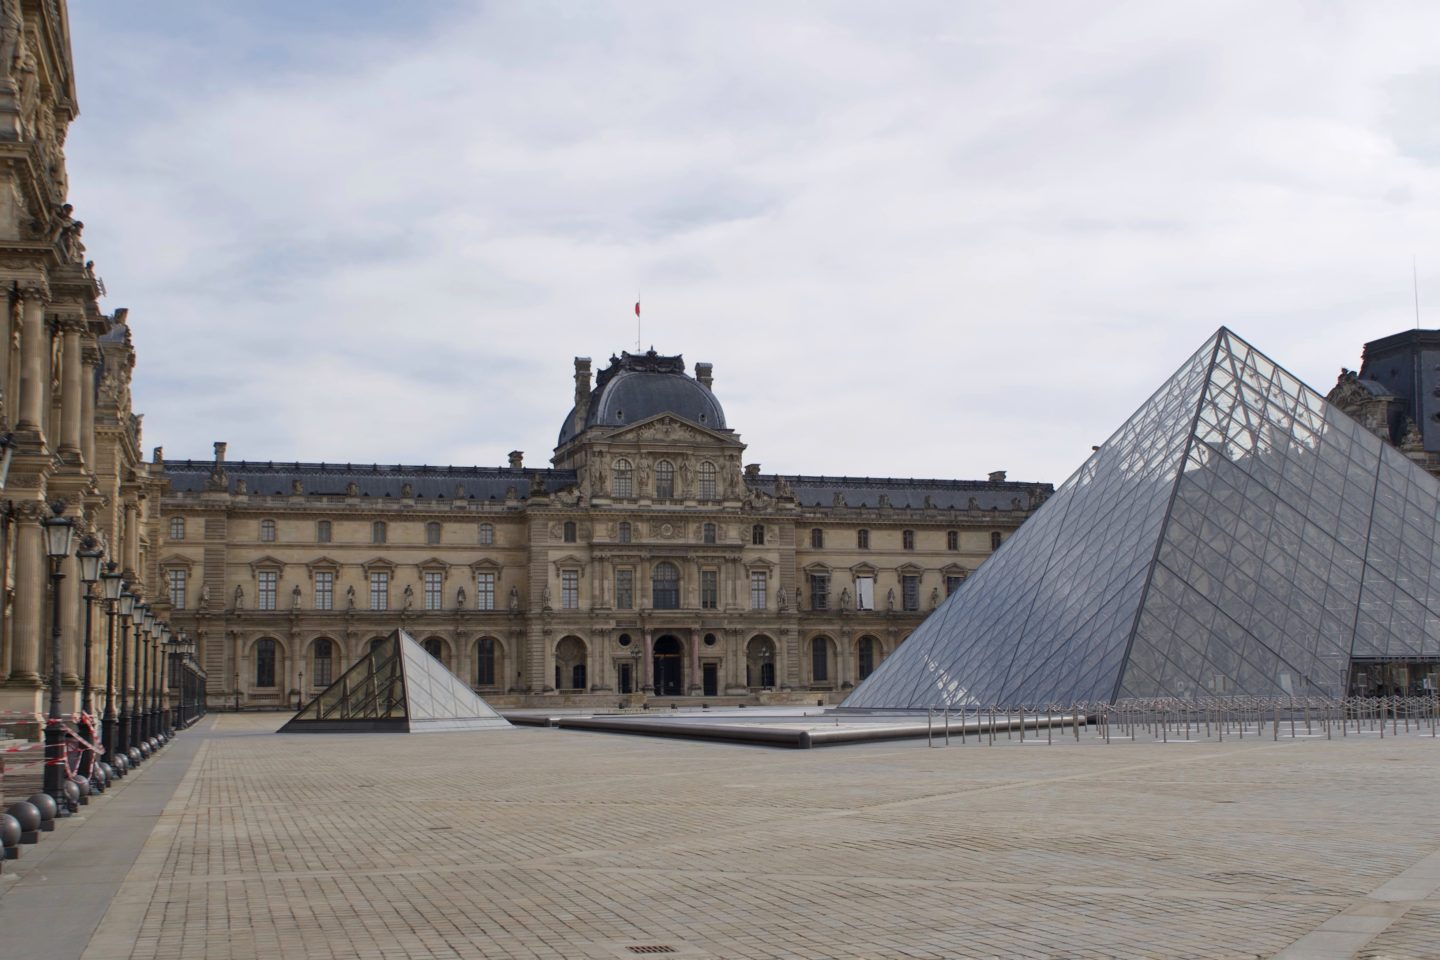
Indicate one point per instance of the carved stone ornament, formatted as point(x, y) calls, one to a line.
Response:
point(352, 489)
point(407, 491)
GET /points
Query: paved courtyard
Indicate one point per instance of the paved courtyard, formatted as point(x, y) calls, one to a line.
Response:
point(534, 843)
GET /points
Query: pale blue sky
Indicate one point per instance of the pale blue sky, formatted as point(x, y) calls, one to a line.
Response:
point(918, 239)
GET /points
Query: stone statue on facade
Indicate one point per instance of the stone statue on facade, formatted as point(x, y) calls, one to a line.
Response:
point(545, 597)
point(514, 600)
point(890, 600)
point(352, 489)
point(12, 32)
point(297, 488)
point(782, 488)
point(241, 487)
point(295, 597)
point(845, 598)
point(409, 596)
point(350, 597)
point(407, 491)
point(460, 599)
point(158, 456)
point(780, 599)
point(239, 597)
point(934, 597)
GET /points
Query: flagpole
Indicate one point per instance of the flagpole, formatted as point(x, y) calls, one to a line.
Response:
point(637, 321)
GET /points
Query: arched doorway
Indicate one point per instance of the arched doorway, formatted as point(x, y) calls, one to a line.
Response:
point(570, 658)
point(760, 662)
point(669, 660)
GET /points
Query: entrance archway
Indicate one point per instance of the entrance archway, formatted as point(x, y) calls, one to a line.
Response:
point(760, 662)
point(669, 661)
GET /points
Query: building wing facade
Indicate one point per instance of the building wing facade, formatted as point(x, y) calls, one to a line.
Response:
point(646, 560)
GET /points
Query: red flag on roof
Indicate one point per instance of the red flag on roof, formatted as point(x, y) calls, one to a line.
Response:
point(637, 308)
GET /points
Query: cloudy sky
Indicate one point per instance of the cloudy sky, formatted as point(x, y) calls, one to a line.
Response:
point(915, 239)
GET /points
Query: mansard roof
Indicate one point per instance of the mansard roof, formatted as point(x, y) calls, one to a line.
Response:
point(275, 478)
point(907, 494)
point(635, 387)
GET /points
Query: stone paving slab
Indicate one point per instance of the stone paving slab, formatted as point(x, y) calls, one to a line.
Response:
point(543, 843)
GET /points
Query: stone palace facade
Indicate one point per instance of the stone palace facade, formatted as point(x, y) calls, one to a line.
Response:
point(645, 562)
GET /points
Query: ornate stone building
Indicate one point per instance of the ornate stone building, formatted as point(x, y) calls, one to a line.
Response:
point(646, 560)
point(64, 370)
point(1396, 393)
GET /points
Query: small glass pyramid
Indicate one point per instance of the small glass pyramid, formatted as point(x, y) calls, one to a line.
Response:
point(396, 687)
point(1238, 535)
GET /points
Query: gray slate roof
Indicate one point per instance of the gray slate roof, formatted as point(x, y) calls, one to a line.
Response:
point(271, 478)
point(902, 493)
point(634, 388)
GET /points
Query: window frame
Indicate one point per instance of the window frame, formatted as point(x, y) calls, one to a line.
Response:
point(817, 538)
point(759, 590)
point(176, 581)
point(266, 599)
point(907, 539)
point(664, 480)
point(269, 531)
point(324, 531)
point(379, 581)
point(624, 588)
point(910, 592)
point(862, 539)
point(709, 589)
point(952, 539)
point(486, 582)
point(267, 659)
point(485, 534)
point(707, 533)
point(706, 487)
point(570, 589)
point(433, 579)
point(622, 485)
point(379, 532)
point(177, 528)
point(672, 587)
point(433, 533)
point(324, 582)
point(819, 598)
point(320, 678)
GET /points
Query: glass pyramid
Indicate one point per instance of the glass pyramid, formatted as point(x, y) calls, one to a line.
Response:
point(1236, 536)
point(399, 687)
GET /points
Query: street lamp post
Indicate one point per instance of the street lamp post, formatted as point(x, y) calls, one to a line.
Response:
point(126, 608)
point(162, 676)
point(112, 585)
point(142, 681)
point(89, 556)
point(151, 655)
point(59, 531)
point(141, 619)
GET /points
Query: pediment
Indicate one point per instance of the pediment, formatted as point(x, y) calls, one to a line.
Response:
point(323, 563)
point(433, 563)
point(266, 563)
point(378, 563)
point(175, 560)
point(666, 428)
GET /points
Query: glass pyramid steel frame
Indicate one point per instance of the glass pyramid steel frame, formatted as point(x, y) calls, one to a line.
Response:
point(396, 687)
point(1237, 536)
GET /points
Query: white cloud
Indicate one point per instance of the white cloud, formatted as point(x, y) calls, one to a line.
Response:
point(928, 239)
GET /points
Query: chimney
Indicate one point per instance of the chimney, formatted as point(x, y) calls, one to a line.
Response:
point(517, 459)
point(752, 469)
point(582, 392)
point(703, 373)
point(220, 451)
point(997, 476)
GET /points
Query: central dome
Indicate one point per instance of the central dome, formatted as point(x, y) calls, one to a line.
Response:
point(635, 387)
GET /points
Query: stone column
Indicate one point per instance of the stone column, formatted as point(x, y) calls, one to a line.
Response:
point(90, 358)
point(647, 667)
point(692, 685)
point(31, 571)
point(70, 389)
point(71, 625)
point(132, 539)
point(34, 357)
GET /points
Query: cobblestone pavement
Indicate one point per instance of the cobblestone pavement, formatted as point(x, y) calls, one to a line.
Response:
point(537, 843)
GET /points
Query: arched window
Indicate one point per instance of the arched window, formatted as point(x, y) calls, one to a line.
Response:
point(436, 648)
point(952, 539)
point(907, 539)
point(866, 657)
point(708, 533)
point(707, 480)
point(624, 531)
point(664, 480)
point(817, 538)
point(570, 655)
point(862, 539)
point(377, 531)
point(267, 531)
point(757, 535)
point(487, 534)
point(322, 531)
point(324, 660)
point(177, 528)
point(995, 540)
point(485, 662)
point(569, 531)
point(820, 660)
point(265, 663)
point(624, 485)
point(376, 643)
point(432, 533)
point(665, 586)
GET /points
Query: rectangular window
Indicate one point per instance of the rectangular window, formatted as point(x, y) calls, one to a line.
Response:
point(624, 589)
point(709, 589)
point(759, 591)
point(952, 584)
point(819, 591)
point(570, 589)
point(952, 539)
point(907, 539)
point(434, 590)
point(324, 590)
point(177, 588)
point(910, 586)
point(864, 593)
point(379, 591)
point(484, 591)
point(269, 579)
point(322, 531)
